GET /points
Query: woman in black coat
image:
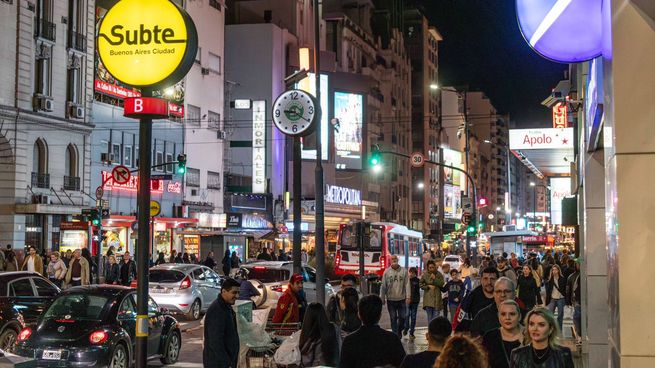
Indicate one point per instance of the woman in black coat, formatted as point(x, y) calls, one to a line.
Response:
point(528, 287)
point(319, 339)
point(227, 263)
point(500, 342)
point(111, 272)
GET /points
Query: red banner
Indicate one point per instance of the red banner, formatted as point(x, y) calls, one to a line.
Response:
point(123, 93)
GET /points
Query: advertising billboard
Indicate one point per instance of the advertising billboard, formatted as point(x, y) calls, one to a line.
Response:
point(349, 109)
point(547, 138)
point(310, 154)
point(452, 158)
point(559, 189)
point(452, 201)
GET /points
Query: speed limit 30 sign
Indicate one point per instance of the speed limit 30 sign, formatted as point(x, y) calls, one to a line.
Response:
point(417, 159)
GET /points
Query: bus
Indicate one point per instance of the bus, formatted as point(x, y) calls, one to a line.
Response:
point(386, 239)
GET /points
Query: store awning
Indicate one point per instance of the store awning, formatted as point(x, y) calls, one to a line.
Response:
point(48, 209)
point(126, 221)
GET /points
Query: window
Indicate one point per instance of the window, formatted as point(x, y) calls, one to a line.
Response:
point(71, 161)
point(127, 156)
point(22, 287)
point(136, 157)
point(76, 33)
point(45, 28)
point(169, 158)
point(116, 150)
point(104, 148)
point(44, 288)
point(43, 71)
point(192, 115)
point(159, 159)
point(40, 157)
point(198, 274)
point(214, 63)
point(126, 310)
point(74, 81)
point(213, 120)
point(213, 180)
point(192, 177)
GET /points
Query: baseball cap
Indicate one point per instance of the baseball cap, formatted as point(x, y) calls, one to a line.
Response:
point(295, 278)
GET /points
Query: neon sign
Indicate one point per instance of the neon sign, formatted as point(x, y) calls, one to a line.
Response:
point(560, 115)
point(175, 187)
point(567, 31)
point(156, 186)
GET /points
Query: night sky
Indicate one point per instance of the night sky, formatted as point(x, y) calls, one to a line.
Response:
point(484, 49)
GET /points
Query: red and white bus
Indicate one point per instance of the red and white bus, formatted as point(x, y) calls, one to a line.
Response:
point(386, 240)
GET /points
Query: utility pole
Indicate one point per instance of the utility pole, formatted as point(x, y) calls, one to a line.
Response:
point(318, 172)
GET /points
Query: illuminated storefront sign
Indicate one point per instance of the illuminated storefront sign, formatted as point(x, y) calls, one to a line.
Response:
point(548, 138)
point(259, 146)
point(156, 186)
point(174, 187)
point(147, 43)
point(559, 189)
point(339, 195)
point(310, 154)
point(560, 115)
point(349, 110)
point(567, 31)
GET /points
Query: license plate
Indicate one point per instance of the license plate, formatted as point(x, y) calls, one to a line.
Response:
point(160, 290)
point(51, 354)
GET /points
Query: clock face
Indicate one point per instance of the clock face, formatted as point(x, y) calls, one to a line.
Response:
point(295, 113)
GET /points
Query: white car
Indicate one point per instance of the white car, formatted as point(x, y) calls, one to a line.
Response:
point(271, 279)
point(454, 261)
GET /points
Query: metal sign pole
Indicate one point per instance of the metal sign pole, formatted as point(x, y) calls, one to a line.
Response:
point(318, 180)
point(143, 245)
point(297, 193)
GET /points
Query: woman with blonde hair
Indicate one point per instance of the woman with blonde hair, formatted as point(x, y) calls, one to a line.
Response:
point(541, 343)
point(500, 342)
point(462, 352)
point(111, 272)
point(556, 293)
point(56, 270)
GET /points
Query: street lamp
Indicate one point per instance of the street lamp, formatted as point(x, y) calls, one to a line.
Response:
point(420, 185)
point(434, 86)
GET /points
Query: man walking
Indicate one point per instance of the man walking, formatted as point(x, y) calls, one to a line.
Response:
point(127, 272)
point(439, 330)
point(78, 272)
point(478, 299)
point(395, 290)
point(504, 270)
point(371, 346)
point(487, 318)
point(221, 339)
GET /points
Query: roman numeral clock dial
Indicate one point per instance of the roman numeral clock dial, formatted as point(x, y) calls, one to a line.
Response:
point(295, 113)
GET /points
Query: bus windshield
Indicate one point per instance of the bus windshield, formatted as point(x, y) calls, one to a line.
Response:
point(348, 239)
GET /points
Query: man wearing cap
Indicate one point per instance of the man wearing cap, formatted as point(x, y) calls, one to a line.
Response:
point(504, 270)
point(291, 302)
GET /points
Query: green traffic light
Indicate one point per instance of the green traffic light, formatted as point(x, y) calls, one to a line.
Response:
point(374, 161)
point(95, 221)
point(181, 170)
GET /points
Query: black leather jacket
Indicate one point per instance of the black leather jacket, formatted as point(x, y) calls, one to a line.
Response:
point(560, 357)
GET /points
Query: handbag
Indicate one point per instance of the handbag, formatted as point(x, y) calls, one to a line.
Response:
point(289, 352)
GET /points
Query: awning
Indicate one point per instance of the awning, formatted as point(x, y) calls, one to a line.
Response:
point(48, 209)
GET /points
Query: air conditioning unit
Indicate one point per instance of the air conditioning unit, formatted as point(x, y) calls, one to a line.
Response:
point(204, 71)
point(43, 103)
point(76, 111)
point(220, 134)
point(107, 157)
point(194, 192)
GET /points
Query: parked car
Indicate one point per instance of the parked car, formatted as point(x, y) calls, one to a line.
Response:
point(23, 297)
point(187, 289)
point(95, 326)
point(271, 279)
point(454, 261)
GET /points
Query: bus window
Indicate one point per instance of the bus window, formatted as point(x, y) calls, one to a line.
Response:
point(348, 239)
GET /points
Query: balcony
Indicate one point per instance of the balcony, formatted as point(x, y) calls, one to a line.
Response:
point(45, 29)
point(76, 41)
point(72, 183)
point(40, 180)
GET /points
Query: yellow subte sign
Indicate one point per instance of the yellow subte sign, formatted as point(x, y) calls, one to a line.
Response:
point(147, 43)
point(155, 208)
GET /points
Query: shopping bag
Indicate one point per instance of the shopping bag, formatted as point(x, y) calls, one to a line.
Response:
point(289, 352)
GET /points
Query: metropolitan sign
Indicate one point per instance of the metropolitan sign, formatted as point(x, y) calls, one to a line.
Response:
point(549, 138)
point(147, 43)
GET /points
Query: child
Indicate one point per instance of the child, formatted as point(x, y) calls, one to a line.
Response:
point(415, 298)
point(455, 289)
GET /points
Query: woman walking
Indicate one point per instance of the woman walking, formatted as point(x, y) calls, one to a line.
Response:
point(348, 304)
point(319, 339)
point(542, 348)
point(111, 272)
point(529, 286)
point(56, 269)
point(227, 263)
point(500, 342)
point(556, 293)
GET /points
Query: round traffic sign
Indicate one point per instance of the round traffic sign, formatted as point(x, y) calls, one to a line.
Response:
point(466, 218)
point(121, 174)
point(155, 208)
point(99, 192)
point(417, 159)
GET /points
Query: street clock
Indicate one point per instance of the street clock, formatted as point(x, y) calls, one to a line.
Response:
point(295, 113)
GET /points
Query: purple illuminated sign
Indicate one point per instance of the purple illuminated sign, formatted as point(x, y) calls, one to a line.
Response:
point(566, 31)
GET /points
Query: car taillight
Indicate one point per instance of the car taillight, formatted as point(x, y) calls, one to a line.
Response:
point(98, 337)
point(186, 283)
point(279, 288)
point(382, 262)
point(25, 334)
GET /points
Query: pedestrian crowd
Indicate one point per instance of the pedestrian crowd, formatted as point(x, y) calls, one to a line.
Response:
point(502, 322)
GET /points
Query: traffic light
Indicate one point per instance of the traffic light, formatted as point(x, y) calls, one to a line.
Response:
point(471, 229)
point(95, 217)
point(181, 164)
point(375, 158)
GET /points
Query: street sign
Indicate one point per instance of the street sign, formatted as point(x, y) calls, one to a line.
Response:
point(417, 159)
point(161, 177)
point(99, 192)
point(466, 202)
point(121, 174)
point(155, 208)
point(102, 203)
point(466, 218)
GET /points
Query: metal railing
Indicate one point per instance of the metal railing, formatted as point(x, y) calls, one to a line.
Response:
point(76, 41)
point(45, 29)
point(72, 183)
point(40, 180)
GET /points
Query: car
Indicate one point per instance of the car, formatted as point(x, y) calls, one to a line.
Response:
point(454, 261)
point(95, 326)
point(187, 289)
point(23, 297)
point(271, 279)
